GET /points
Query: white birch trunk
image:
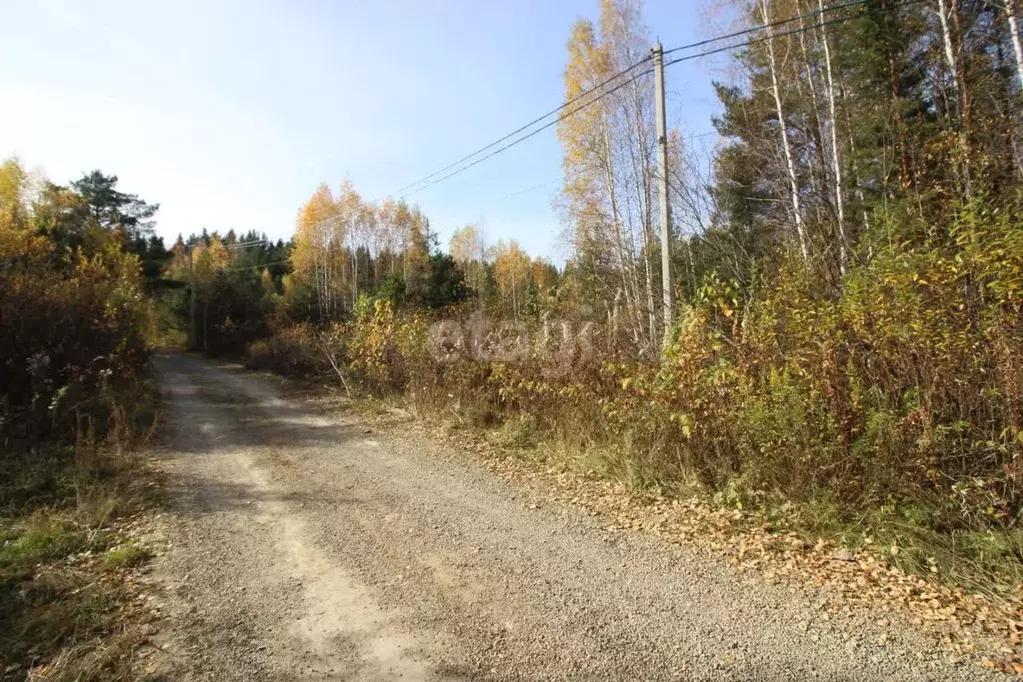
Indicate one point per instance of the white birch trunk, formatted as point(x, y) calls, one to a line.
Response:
point(958, 87)
point(946, 39)
point(843, 257)
point(1012, 12)
point(793, 183)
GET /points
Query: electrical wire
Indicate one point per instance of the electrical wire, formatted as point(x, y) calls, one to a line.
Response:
point(761, 27)
point(736, 34)
point(531, 134)
point(533, 188)
point(259, 265)
point(754, 41)
point(242, 245)
point(526, 126)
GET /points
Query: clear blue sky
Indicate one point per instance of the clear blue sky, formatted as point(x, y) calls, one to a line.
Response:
point(231, 113)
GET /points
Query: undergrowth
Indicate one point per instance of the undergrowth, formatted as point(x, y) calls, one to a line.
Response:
point(65, 613)
point(883, 413)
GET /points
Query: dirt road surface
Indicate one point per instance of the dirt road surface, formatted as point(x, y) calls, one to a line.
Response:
point(303, 545)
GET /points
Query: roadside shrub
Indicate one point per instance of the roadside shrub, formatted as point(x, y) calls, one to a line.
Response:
point(383, 347)
point(75, 322)
point(290, 351)
point(894, 399)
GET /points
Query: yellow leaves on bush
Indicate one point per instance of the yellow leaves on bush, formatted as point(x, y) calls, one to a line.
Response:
point(73, 312)
point(382, 346)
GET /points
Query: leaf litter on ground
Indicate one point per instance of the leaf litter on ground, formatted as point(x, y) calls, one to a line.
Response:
point(963, 626)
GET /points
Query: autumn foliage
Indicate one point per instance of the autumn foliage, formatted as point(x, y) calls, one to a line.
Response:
point(72, 308)
point(848, 351)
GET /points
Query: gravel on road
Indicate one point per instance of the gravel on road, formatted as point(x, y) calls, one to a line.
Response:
point(306, 545)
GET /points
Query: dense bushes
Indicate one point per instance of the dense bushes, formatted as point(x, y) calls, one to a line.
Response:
point(378, 349)
point(894, 401)
point(74, 392)
point(73, 315)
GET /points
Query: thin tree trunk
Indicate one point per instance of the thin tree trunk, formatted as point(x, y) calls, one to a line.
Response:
point(901, 132)
point(651, 310)
point(958, 87)
point(818, 127)
point(642, 180)
point(793, 183)
point(1012, 12)
point(946, 39)
point(624, 264)
point(355, 277)
point(843, 258)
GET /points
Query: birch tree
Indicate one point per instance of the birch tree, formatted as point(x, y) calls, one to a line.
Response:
point(1012, 14)
point(843, 257)
point(783, 133)
point(608, 197)
point(469, 250)
point(313, 242)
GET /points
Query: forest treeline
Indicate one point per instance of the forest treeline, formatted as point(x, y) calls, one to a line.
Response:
point(847, 355)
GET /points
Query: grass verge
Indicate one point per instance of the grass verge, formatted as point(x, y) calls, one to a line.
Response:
point(69, 609)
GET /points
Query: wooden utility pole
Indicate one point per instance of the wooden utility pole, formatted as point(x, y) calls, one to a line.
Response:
point(667, 281)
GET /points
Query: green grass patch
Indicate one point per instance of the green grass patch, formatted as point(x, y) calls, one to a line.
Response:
point(126, 556)
point(51, 541)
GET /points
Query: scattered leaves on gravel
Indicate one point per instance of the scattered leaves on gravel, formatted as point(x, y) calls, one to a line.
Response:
point(966, 627)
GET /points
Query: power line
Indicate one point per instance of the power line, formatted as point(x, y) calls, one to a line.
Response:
point(755, 41)
point(754, 29)
point(541, 185)
point(260, 265)
point(705, 53)
point(525, 127)
point(761, 27)
point(242, 245)
point(529, 189)
point(531, 134)
point(602, 95)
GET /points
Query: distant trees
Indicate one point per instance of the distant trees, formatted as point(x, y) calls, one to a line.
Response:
point(469, 249)
point(511, 272)
point(345, 247)
point(231, 290)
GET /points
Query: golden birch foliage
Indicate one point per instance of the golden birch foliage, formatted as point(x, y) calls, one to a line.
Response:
point(179, 265)
point(311, 237)
point(12, 189)
point(417, 254)
point(511, 271)
point(540, 273)
point(349, 212)
point(469, 251)
point(580, 138)
point(466, 245)
point(318, 258)
point(210, 259)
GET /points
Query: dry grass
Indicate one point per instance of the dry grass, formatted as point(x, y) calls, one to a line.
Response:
point(68, 606)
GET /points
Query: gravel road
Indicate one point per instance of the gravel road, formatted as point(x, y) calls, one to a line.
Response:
point(309, 546)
